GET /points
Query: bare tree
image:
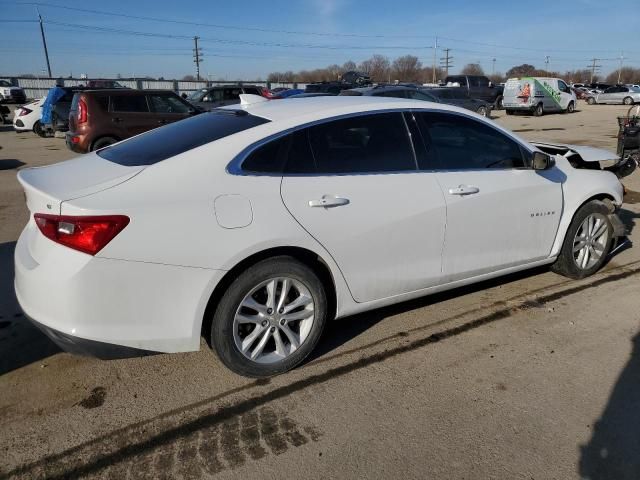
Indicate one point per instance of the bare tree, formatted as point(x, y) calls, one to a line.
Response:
point(348, 66)
point(472, 69)
point(627, 75)
point(377, 67)
point(189, 78)
point(406, 68)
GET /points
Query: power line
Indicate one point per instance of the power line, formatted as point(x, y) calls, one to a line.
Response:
point(283, 31)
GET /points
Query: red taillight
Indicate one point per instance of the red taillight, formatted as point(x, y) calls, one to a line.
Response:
point(82, 111)
point(24, 111)
point(75, 139)
point(86, 234)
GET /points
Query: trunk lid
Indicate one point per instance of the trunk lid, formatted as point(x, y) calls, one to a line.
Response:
point(47, 187)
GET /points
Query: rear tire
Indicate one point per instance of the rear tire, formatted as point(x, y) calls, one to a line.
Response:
point(245, 308)
point(498, 104)
point(103, 142)
point(539, 110)
point(571, 107)
point(591, 101)
point(590, 235)
point(483, 111)
point(628, 101)
point(37, 129)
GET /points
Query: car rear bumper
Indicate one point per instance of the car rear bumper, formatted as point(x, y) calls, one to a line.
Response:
point(89, 348)
point(109, 308)
point(77, 143)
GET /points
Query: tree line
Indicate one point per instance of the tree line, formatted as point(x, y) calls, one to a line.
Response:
point(409, 68)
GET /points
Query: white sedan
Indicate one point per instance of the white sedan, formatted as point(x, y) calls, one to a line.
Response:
point(255, 225)
point(27, 117)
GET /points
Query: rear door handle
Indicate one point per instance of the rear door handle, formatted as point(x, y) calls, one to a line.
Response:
point(463, 190)
point(328, 201)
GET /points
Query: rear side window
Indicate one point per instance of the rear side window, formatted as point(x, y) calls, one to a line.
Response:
point(129, 103)
point(462, 143)
point(179, 137)
point(102, 101)
point(252, 91)
point(362, 144)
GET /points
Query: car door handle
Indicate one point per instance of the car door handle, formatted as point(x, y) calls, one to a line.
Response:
point(463, 190)
point(328, 201)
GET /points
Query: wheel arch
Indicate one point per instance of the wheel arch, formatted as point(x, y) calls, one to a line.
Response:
point(95, 140)
point(307, 257)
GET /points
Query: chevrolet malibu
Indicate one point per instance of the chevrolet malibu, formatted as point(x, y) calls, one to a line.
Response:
point(255, 225)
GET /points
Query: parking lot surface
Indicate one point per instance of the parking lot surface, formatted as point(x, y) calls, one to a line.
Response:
point(531, 376)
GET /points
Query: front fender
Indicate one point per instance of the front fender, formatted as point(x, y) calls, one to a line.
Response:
point(579, 187)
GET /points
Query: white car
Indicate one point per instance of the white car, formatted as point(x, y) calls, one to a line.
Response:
point(27, 117)
point(256, 224)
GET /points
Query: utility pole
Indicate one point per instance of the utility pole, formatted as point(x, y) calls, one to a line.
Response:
point(620, 69)
point(493, 67)
point(435, 52)
point(446, 61)
point(546, 63)
point(44, 42)
point(593, 67)
point(197, 56)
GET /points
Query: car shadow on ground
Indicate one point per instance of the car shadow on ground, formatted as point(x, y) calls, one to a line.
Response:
point(21, 343)
point(341, 331)
point(10, 163)
point(613, 451)
point(6, 128)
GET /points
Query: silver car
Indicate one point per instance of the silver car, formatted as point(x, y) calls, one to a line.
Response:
point(618, 94)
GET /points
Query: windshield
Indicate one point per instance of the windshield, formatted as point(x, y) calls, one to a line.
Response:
point(179, 137)
point(634, 89)
point(197, 95)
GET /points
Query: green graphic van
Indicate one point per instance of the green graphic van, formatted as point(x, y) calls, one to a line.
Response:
point(538, 95)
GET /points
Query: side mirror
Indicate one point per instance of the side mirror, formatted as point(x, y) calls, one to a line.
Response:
point(490, 84)
point(542, 161)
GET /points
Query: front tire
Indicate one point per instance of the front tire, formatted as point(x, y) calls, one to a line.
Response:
point(37, 129)
point(483, 111)
point(591, 101)
point(498, 104)
point(628, 101)
point(587, 242)
point(571, 107)
point(270, 318)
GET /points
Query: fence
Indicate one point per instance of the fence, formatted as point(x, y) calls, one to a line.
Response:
point(38, 87)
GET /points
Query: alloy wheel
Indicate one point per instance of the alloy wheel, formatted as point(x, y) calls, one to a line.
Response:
point(273, 320)
point(590, 241)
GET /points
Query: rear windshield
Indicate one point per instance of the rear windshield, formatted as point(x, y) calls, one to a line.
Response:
point(179, 137)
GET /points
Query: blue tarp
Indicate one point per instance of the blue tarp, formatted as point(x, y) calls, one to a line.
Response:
point(55, 94)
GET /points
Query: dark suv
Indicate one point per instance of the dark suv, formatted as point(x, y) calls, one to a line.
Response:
point(479, 87)
point(213, 97)
point(450, 96)
point(101, 117)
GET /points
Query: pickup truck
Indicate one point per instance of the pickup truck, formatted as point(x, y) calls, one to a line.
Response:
point(478, 87)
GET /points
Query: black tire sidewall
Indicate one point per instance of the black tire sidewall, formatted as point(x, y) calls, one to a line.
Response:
point(103, 142)
point(539, 111)
point(222, 323)
point(571, 107)
point(627, 103)
point(566, 260)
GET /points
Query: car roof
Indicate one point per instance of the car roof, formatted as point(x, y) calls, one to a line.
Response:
point(318, 108)
point(126, 91)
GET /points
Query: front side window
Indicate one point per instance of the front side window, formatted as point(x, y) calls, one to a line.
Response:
point(563, 86)
point(232, 93)
point(362, 144)
point(462, 143)
point(167, 104)
point(129, 103)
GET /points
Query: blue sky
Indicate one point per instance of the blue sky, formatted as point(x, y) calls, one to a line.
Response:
point(326, 32)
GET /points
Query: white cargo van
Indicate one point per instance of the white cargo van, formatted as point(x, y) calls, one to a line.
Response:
point(538, 95)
